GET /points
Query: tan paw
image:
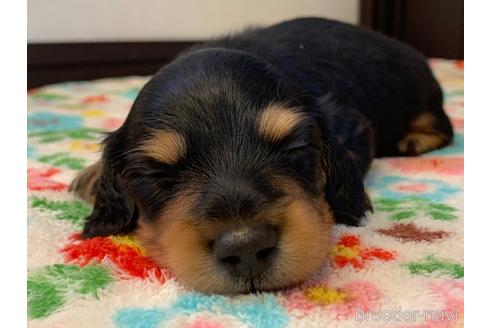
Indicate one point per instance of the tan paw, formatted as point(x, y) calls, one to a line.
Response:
point(416, 143)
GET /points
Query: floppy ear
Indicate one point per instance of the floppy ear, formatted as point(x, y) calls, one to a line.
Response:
point(114, 212)
point(344, 189)
point(348, 149)
point(101, 184)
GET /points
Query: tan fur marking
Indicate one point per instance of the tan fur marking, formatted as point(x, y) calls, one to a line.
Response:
point(422, 137)
point(420, 142)
point(165, 146)
point(175, 242)
point(423, 122)
point(181, 242)
point(306, 236)
point(277, 121)
point(84, 182)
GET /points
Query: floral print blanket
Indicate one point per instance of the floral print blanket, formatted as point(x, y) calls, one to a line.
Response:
point(404, 268)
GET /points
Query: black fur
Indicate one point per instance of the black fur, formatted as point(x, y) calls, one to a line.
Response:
point(358, 89)
point(114, 210)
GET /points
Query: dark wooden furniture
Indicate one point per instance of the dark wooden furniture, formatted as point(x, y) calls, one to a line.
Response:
point(57, 62)
point(435, 27)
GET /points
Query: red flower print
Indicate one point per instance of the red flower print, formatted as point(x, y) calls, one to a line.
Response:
point(439, 165)
point(112, 123)
point(39, 180)
point(202, 322)
point(100, 99)
point(123, 251)
point(412, 187)
point(349, 251)
point(458, 123)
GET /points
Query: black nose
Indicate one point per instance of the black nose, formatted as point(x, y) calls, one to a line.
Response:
point(247, 252)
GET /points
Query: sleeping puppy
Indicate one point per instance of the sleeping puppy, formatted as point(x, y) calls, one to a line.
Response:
point(238, 157)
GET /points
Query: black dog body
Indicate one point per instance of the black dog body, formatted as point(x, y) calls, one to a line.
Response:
point(355, 95)
point(347, 68)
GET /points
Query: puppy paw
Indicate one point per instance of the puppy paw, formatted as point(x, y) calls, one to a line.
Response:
point(416, 143)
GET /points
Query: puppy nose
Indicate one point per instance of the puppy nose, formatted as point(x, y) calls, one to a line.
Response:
point(247, 252)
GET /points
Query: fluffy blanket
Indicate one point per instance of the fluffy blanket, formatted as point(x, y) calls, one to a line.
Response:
point(404, 268)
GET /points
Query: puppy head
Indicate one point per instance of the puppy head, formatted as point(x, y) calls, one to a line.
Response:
point(224, 175)
point(247, 214)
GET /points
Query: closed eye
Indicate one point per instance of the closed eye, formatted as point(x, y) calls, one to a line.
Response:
point(297, 146)
point(152, 168)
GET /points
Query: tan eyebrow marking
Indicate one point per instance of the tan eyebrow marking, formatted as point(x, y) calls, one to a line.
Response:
point(277, 121)
point(165, 146)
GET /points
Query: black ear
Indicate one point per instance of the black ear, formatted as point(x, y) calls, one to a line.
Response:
point(348, 149)
point(344, 189)
point(114, 210)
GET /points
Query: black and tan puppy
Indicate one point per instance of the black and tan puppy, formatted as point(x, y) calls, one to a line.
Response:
point(239, 156)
